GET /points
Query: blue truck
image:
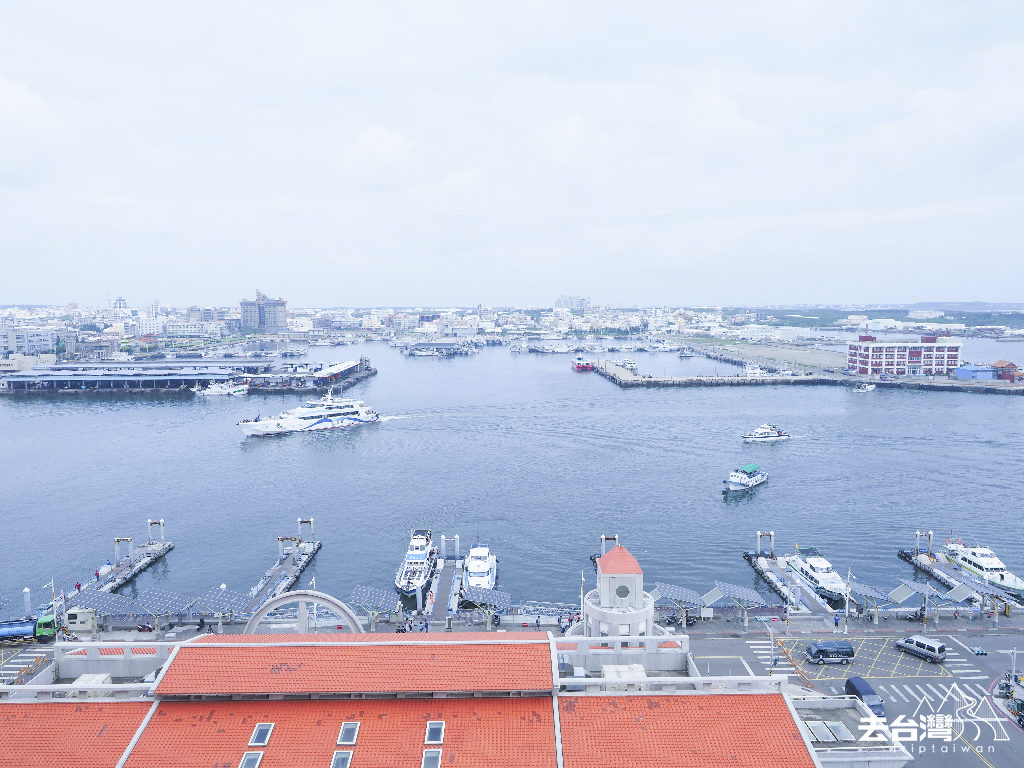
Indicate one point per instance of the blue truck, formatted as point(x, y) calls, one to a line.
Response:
point(43, 630)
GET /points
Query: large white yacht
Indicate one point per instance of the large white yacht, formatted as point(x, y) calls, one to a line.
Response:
point(223, 388)
point(328, 412)
point(982, 562)
point(817, 572)
point(766, 433)
point(481, 568)
point(417, 568)
point(745, 478)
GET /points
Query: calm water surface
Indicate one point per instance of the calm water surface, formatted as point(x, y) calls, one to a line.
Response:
point(518, 451)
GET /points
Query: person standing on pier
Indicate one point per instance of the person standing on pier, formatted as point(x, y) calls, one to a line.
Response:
point(836, 630)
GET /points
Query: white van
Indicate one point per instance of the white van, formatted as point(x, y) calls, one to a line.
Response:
point(925, 647)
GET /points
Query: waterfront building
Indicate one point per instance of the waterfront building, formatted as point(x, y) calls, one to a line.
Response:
point(970, 372)
point(264, 314)
point(932, 356)
point(28, 341)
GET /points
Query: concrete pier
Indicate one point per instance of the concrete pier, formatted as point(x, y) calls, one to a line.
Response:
point(626, 379)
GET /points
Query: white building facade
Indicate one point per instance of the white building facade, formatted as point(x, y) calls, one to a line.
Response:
point(932, 356)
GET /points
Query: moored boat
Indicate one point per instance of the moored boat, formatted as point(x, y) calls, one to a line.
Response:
point(480, 568)
point(984, 564)
point(581, 364)
point(817, 573)
point(223, 388)
point(864, 387)
point(417, 568)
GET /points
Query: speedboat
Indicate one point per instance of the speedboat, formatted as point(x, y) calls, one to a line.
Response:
point(481, 568)
point(223, 388)
point(581, 364)
point(326, 413)
point(817, 572)
point(864, 387)
point(417, 568)
point(766, 433)
point(746, 477)
point(983, 563)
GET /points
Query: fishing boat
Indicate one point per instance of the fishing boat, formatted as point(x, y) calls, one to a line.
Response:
point(223, 388)
point(864, 387)
point(746, 477)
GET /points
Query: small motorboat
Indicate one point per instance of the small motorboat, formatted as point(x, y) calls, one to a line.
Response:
point(766, 433)
point(746, 477)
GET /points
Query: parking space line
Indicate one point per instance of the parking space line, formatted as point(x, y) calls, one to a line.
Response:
point(978, 677)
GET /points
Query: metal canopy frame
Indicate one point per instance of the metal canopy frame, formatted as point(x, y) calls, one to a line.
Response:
point(161, 601)
point(105, 603)
point(736, 593)
point(217, 600)
point(371, 598)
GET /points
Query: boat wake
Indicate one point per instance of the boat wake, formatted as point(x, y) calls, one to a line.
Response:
point(398, 416)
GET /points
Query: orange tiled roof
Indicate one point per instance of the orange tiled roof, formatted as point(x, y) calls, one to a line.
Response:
point(690, 731)
point(479, 733)
point(255, 664)
point(618, 559)
point(116, 652)
point(57, 735)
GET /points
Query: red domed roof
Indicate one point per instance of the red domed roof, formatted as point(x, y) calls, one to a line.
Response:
point(618, 560)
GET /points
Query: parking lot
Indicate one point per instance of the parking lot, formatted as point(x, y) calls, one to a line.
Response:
point(873, 657)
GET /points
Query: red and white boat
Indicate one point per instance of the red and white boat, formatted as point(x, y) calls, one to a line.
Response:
point(582, 364)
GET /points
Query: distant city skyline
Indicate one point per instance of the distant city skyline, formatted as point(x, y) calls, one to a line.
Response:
point(673, 154)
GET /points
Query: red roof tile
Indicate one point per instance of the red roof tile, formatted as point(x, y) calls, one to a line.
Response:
point(479, 733)
point(618, 559)
point(58, 735)
point(688, 731)
point(255, 664)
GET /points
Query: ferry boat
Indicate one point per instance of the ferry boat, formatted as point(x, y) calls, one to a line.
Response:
point(326, 413)
point(864, 387)
point(766, 433)
point(581, 364)
point(746, 477)
point(481, 568)
point(417, 568)
point(817, 572)
point(223, 388)
point(982, 562)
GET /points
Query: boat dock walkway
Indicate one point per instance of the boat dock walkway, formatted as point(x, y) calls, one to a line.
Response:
point(293, 556)
point(797, 595)
point(121, 570)
point(445, 589)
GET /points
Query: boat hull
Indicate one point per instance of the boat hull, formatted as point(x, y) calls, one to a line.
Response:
point(278, 427)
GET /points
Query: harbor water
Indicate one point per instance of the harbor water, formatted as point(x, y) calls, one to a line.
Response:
point(515, 450)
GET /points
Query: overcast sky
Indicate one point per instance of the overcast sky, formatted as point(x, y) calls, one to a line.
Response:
point(456, 153)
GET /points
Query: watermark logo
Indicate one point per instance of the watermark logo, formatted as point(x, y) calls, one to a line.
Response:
point(940, 719)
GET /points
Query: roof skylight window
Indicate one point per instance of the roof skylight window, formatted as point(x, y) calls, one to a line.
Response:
point(435, 733)
point(431, 758)
point(261, 734)
point(348, 733)
point(342, 759)
point(251, 760)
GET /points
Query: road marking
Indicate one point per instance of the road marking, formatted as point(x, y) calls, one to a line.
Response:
point(896, 690)
point(978, 677)
point(932, 688)
point(962, 645)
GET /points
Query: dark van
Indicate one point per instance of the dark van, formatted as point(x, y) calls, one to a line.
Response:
point(859, 687)
point(829, 652)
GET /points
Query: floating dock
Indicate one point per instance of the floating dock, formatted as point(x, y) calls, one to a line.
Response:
point(444, 600)
point(123, 569)
point(797, 595)
point(294, 554)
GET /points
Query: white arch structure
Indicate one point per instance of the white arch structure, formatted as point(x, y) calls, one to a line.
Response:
point(304, 598)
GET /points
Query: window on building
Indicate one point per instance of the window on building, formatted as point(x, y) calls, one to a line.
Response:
point(251, 760)
point(431, 758)
point(342, 759)
point(435, 733)
point(348, 733)
point(261, 735)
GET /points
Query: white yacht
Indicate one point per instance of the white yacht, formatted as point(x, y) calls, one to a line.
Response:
point(766, 433)
point(630, 366)
point(481, 568)
point(982, 562)
point(326, 413)
point(417, 568)
point(746, 477)
point(686, 352)
point(223, 388)
point(753, 371)
point(864, 387)
point(817, 572)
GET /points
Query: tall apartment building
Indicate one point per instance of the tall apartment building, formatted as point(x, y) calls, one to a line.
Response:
point(28, 341)
point(933, 355)
point(264, 314)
